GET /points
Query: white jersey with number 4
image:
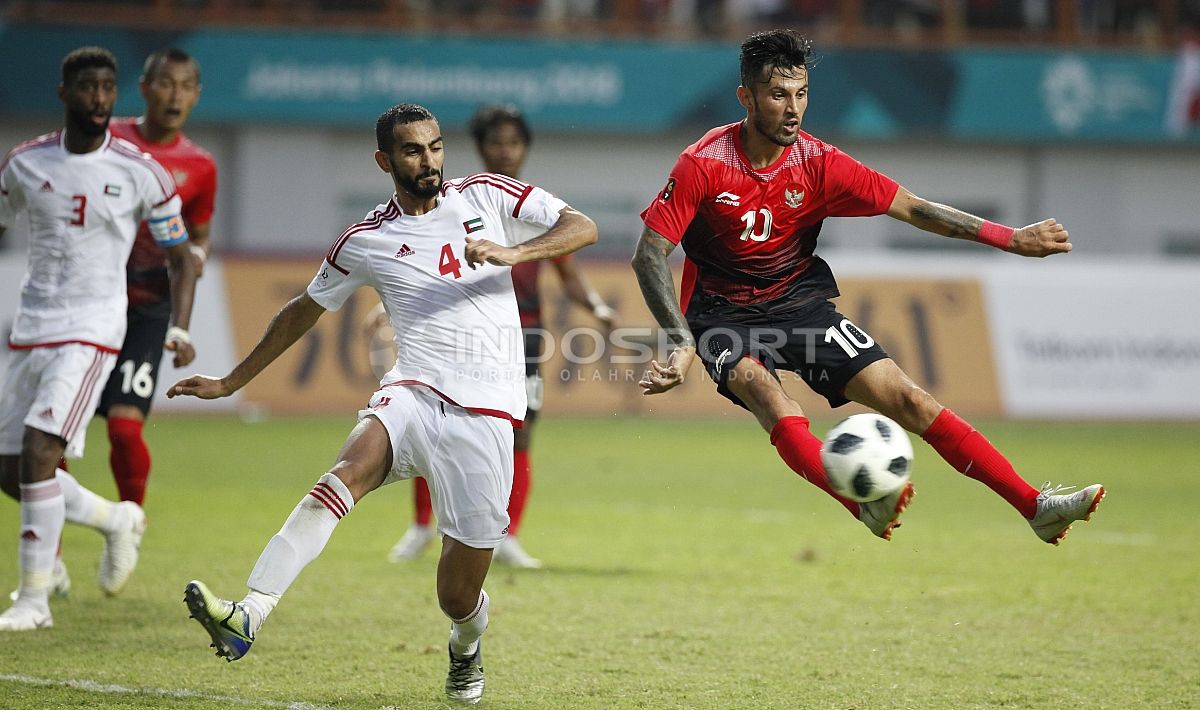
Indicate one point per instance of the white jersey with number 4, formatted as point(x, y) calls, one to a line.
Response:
point(457, 328)
point(84, 210)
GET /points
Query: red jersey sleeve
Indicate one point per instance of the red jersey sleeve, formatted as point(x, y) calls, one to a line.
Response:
point(673, 210)
point(200, 209)
point(854, 190)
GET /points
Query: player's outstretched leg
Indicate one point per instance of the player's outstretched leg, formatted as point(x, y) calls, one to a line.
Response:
point(41, 527)
point(1049, 512)
point(122, 525)
point(1057, 511)
point(227, 622)
point(460, 576)
point(419, 535)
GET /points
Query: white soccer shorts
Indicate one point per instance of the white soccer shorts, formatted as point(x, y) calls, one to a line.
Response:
point(466, 458)
point(55, 390)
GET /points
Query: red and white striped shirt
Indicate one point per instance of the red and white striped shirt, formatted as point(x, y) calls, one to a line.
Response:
point(457, 328)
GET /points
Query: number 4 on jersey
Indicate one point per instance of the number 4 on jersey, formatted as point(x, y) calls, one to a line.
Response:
point(448, 263)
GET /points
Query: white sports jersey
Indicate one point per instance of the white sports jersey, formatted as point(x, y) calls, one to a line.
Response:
point(84, 210)
point(457, 328)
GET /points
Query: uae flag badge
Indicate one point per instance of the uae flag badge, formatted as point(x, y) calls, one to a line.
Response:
point(473, 225)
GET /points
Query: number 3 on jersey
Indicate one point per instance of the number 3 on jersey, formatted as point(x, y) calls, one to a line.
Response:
point(448, 263)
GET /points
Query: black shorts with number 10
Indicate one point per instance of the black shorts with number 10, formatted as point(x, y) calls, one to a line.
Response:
point(135, 376)
point(816, 342)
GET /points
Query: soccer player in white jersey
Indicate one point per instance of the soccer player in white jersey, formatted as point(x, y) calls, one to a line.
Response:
point(85, 192)
point(438, 254)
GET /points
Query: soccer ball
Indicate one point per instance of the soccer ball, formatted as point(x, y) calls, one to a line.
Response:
point(867, 456)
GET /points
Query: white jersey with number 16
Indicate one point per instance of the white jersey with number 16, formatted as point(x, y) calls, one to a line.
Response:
point(457, 328)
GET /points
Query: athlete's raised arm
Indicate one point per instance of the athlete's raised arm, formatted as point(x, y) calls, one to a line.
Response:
point(658, 288)
point(293, 320)
point(573, 231)
point(1040, 239)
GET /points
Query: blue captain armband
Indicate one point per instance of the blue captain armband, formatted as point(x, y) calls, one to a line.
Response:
point(168, 231)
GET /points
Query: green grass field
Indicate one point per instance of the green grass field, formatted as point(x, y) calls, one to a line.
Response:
point(687, 568)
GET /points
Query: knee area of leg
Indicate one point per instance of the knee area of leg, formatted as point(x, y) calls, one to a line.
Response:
point(457, 604)
point(124, 431)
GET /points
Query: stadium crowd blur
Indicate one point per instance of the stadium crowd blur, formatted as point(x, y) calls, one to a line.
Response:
point(1138, 23)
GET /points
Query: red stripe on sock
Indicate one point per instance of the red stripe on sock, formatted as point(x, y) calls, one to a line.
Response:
point(329, 500)
point(32, 492)
point(801, 451)
point(971, 454)
point(422, 504)
point(337, 499)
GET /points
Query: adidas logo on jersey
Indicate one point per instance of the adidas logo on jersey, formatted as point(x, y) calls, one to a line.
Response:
point(47, 187)
point(728, 198)
point(405, 250)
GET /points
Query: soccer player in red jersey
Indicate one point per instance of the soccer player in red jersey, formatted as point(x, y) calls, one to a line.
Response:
point(170, 85)
point(502, 139)
point(747, 202)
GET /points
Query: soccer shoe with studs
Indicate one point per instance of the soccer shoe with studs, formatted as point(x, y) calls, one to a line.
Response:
point(464, 682)
point(509, 552)
point(60, 582)
point(1057, 511)
point(120, 556)
point(26, 617)
point(412, 543)
point(226, 622)
point(883, 515)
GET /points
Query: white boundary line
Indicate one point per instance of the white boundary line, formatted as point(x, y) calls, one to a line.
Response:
point(91, 686)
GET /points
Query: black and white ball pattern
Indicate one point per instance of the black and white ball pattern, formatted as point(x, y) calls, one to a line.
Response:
point(867, 456)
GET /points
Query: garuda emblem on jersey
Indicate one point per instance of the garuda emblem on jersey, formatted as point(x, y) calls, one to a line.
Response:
point(180, 177)
point(794, 198)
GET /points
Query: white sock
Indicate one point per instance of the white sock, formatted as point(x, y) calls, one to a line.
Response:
point(299, 541)
point(84, 507)
point(258, 606)
point(41, 527)
point(465, 633)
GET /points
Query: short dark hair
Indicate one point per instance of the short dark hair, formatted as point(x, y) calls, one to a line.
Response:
point(777, 49)
point(385, 127)
point(170, 54)
point(488, 118)
point(85, 58)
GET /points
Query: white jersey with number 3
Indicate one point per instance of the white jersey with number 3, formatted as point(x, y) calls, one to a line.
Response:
point(84, 210)
point(457, 328)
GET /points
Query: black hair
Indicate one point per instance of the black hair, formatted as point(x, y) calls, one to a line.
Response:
point(86, 58)
point(488, 118)
point(385, 127)
point(163, 56)
point(780, 50)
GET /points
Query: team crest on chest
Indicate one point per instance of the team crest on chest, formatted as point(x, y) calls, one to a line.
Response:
point(180, 176)
point(793, 196)
point(473, 225)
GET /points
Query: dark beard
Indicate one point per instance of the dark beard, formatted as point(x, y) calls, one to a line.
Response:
point(780, 140)
point(82, 122)
point(412, 186)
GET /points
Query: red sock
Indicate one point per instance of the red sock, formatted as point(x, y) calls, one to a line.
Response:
point(422, 506)
point(800, 450)
point(130, 458)
point(973, 455)
point(522, 481)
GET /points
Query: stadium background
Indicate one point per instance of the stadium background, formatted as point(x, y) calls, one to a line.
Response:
point(1012, 110)
point(1015, 110)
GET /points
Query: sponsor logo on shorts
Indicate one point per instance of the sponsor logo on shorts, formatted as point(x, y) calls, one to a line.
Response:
point(720, 364)
point(47, 413)
point(47, 187)
point(728, 198)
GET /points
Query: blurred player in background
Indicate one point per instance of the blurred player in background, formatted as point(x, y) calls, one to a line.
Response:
point(447, 410)
point(85, 192)
point(170, 85)
point(502, 139)
point(747, 202)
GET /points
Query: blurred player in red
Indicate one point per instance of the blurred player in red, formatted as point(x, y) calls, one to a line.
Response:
point(502, 138)
point(170, 85)
point(747, 202)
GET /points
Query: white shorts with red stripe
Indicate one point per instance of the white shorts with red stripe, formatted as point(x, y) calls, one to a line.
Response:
point(466, 458)
point(52, 389)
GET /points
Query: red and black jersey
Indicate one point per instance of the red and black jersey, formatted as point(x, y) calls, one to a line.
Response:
point(525, 284)
point(195, 175)
point(750, 235)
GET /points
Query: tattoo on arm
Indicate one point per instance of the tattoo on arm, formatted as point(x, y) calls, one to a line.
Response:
point(658, 286)
point(945, 220)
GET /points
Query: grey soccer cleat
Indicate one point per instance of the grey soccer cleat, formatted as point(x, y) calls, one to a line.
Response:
point(881, 516)
point(464, 682)
point(1057, 511)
